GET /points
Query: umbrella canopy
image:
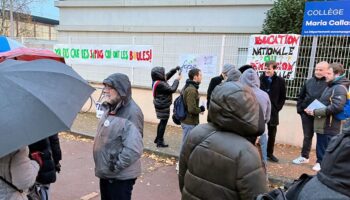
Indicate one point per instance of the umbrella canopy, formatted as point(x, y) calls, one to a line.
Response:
point(37, 99)
point(28, 54)
point(7, 44)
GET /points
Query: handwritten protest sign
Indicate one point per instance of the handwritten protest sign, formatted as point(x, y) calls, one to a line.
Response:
point(282, 48)
point(122, 55)
point(206, 63)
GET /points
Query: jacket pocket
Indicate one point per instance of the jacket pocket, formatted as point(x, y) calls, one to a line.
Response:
point(319, 124)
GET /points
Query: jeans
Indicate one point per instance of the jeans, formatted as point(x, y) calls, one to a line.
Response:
point(44, 191)
point(308, 130)
point(321, 145)
point(186, 129)
point(161, 130)
point(263, 145)
point(112, 189)
point(272, 130)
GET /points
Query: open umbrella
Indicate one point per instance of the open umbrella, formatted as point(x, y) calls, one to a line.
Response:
point(28, 54)
point(7, 44)
point(37, 99)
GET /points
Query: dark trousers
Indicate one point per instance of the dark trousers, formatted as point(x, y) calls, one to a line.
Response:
point(308, 129)
point(161, 130)
point(272, 130)
point(112, 189)
point(321, 145)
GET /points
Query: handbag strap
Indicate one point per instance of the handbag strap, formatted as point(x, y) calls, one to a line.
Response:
point(10, 184)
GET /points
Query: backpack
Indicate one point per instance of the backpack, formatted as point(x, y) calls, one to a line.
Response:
point(345, 113)
point(179, 111)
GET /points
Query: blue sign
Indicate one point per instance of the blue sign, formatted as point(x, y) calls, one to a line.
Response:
point(326, 18)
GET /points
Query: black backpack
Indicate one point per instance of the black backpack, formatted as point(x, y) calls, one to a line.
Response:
point(179, 111)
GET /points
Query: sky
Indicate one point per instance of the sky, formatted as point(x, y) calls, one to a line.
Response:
point(44, 8)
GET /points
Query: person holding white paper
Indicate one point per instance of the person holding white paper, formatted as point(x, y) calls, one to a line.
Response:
point(334, 98)
point(311, 90)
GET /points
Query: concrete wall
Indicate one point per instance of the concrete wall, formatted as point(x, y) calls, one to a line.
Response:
point(288, 132)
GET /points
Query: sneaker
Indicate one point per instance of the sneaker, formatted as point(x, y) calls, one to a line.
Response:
point(272, 158)
point(316, 167)
point(300, 160)
point(177, 168)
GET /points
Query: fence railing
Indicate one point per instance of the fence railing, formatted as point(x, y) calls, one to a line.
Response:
point(227, 48)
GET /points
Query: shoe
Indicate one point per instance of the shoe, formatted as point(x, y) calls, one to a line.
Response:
point(155, 141)
point(300, 160)
point(177, 168)
point(272, 158)
point(162, 145)
point(316, 167)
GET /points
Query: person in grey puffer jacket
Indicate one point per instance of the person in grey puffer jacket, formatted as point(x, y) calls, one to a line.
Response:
point(19, 170)
point(118, 144)
point(251, 79)
point(216, 161)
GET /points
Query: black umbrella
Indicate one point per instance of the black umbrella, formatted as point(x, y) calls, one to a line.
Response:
point(37, 99)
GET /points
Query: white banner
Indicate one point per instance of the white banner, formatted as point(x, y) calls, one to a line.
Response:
point(121, 55)
point(206, 63)
point(282, 48)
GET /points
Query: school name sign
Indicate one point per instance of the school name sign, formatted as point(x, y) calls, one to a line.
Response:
point(326, 18)
point(121, 55)
point(281, 48)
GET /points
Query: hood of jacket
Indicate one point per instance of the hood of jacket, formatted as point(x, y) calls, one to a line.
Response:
point(158, 73)
point(340, 80)
point(234, 108)
point(121, 83)
point(233, 75)
point(250, 78)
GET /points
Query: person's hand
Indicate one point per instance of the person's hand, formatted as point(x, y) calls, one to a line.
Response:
point(179, 77)
point(309, 112)
point(37, 157)
point(58, 167)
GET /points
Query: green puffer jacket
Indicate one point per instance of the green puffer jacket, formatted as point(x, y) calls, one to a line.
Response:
point(216, 161)
point(191, 98)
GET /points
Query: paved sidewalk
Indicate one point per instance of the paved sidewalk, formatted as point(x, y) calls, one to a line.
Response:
point(279, 173)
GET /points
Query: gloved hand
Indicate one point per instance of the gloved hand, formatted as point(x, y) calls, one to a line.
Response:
point(178, 68)
point(202, 108)
point(37, 157)
point(111, 163)
point(58, 167)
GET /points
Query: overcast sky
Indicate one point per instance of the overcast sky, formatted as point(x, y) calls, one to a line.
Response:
point(45, 8)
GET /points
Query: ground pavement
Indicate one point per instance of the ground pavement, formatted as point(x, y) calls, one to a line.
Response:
point(283, 171)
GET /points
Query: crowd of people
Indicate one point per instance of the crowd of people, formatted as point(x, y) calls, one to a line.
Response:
point(225, 158)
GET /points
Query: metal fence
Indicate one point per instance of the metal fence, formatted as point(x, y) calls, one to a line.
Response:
point(228, 49)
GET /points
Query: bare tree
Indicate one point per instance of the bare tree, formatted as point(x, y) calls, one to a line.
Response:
point(21, 14)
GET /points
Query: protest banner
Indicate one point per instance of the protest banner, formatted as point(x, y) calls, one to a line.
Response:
point(281, 48)
point(121, 55)
point(206, 63)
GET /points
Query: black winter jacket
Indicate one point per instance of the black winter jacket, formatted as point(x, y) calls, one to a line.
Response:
point(334, 98)
point(163, 92)
point(311, 90)
point(335, 165)
point(277, 94)
point(213, 83)
point(51, 155)
point(216, 161)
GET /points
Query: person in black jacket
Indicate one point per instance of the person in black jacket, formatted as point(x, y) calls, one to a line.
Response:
point(311, 90)
point(334, 98)
point(275, 86)
point(50, 152)
point(217, 80)
point(162, 94)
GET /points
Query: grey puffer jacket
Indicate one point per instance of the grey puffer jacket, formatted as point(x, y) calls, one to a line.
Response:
point(118, 144)
point(216, 161)
point(162, 91)
point(334, 98)
point(19, 170)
